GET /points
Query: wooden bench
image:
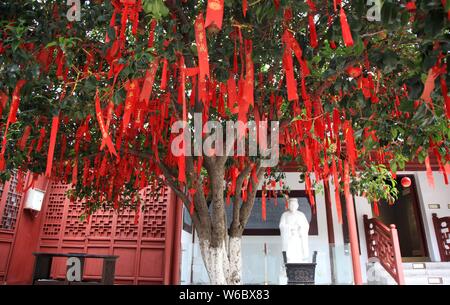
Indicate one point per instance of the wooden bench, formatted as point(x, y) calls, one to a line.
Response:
point(43, 267)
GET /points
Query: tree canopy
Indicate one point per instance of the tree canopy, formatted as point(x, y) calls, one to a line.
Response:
point(356, 87)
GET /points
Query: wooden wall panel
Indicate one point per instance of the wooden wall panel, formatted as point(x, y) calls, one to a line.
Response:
point(144, 253)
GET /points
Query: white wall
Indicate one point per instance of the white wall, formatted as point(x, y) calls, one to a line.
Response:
point(186, 256)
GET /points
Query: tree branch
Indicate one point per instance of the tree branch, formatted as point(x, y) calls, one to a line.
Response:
point(247, 207)
point(235, 227)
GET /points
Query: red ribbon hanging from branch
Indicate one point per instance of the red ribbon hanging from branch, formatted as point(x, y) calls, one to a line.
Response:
point(244, 7)
point(232, 95)
point(130, 102)
point(445, 95)
point(290, 41)
point(376, 210)
point(288, 66)
point(214, 13)
point(23, 140)
point(163, 85)
point(263, 203)
point(202, 50)
point(51, 147)
point(12, 118)
point(429, 87)
point(106, 138)
point(312, 26)
point(346, 33)
point(181, 92)
point(149, 81)
point(351, 146)
point(312, 31)
point(151, 34)
point(249, 74)
point(109, 113)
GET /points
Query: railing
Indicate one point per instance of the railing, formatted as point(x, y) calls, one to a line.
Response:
point(382, 243)
point(442, 230)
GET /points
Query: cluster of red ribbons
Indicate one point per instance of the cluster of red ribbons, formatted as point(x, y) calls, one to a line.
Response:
point(12, 118)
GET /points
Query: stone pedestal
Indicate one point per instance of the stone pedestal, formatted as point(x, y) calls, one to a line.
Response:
point(300, 273)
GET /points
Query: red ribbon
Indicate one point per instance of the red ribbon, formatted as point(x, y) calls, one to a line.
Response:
point(181, 159)
point(291, 83)
point(429, 87)
point(103, 130)
point(41, 139)
point(109, 113)
point(151, 34)
point(214, 13)
point(12, 118)
point(148, 81)
point(234, 174)
point(3, 101)
point(164, 75)
point(312, 31)
point(351, 146)
point(445, 95)
point(130, 103)
point(23, 140)
point(249, 74)
point(376, 211)
point(309, 190)
point(263, 203)
point(51, 147)
point(60, 60)
point(202, 50)
point(244, 7)
point(232, 95)
point(346, 33)
point(277, 4)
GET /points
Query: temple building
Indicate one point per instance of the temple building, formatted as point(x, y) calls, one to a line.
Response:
point(408, 242)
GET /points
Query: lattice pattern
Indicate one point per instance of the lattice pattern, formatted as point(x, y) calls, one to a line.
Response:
point(442, 228)
point(102, 224)
point(74, 226)
point(55, 207)
point(155, 212)
point(125, 227)
point(12, 204)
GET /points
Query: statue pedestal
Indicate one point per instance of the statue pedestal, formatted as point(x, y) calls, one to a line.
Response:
point(301, 274)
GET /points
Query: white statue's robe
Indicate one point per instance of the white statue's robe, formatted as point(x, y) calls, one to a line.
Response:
point(294, 229)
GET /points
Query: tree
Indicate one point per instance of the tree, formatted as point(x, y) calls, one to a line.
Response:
point(92, 102)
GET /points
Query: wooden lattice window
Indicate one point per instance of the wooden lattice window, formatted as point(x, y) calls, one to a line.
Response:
point(12, 205)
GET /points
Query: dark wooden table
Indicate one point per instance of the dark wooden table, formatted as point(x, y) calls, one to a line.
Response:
point(43, 267)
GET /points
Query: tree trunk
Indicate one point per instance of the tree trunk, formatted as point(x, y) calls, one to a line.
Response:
point(234, 253)
point(220, 248)
point(223, 267)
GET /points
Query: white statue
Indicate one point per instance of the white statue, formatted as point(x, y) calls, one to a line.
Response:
point(294, 227)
